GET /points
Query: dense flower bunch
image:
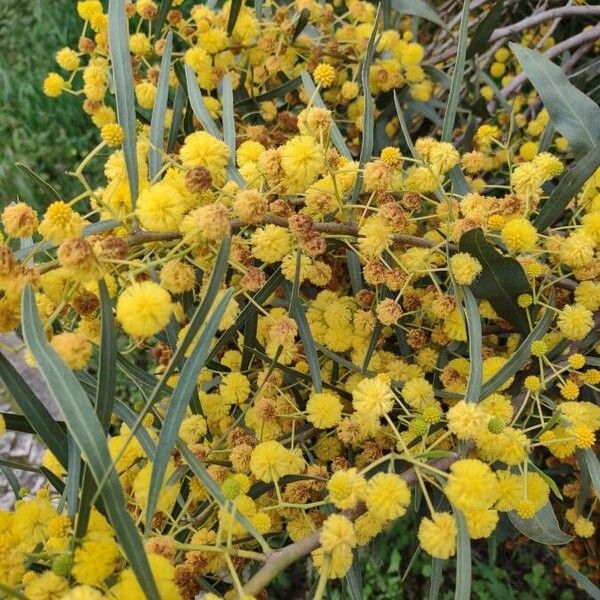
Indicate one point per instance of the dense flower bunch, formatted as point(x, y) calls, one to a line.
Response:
point(260, 55)
point(340, 375)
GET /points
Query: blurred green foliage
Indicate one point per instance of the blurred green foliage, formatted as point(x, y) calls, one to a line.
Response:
point(49, 135)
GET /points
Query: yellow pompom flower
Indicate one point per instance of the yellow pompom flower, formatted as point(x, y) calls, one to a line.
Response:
point(387, 496)
point(437, 535)
point(48, 585)
point(324, 75)
point(160, 207)
point(112, 134)
point(144, 308)
point(584, 527)
point(346, 488)
point(67, 59)
point(471, 485)
point(418, 392)
point(575, 321)
point(375, 236)
point(302, 161)
point(163, 573)
point(324, 410)
point(60, 222)
point(83, 592)
point(201, 149)
point(519, 235)
point(465, 268)
point(86, 9)
point(270, 461)
point(481, 522)
point(373, 396)
point(53, 85)
point(19, 220)
point(95, 558)
point(74, 348)
point(271, 243)
point(235, 388)
point(337, 531)
point(467, 420)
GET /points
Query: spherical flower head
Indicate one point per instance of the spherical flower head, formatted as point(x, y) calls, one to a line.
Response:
point(584, 436)
point(389, 312)
point(192, 429)
point(95, 558)
point(391, 156)
point(437, 535)
point(375, 236)
point(373, 396)
point(519, 235)
point(569, 390)
point(471, 485)
point(144, 309)
point(177, 277)
point(19, 220)
point(250, 206)
point(46, 585)
point(271, 461)
point(575, 321)
point(140, 44)
point(591, 225)
point(271, 243)
point(234, 388)
point(201, 149)
point(465, 268)
point(340, 561)
point(584, 527)
point(539, 348)
point(387, 496)
point(532, 383)
point(524, 300)
point(324, 410)
point(337, 531)
point(588, 294)
point(346, 488)
point(302, 161)
point(83, 592)
point(112, 134)
point(481, 522)
point(145, 94)
point(576, 250)
point(324, 75)
point(73, 348)
point(67, 59)
point(418, 393)
point(467, 420)
point(86, 9)
point(443, 156)
point(60, 222)
point(160, 207)
point(54, 85)
point(549, 164)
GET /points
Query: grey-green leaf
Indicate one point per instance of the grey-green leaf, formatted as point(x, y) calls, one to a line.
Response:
point(521, 355)
point(592, 465)
point(542, 527)
point(582, 581)
point(83, 424)
point(501, 281)
point(463, 558)
point(473, 391)
point(576, 116)
point(179, 401)
point(418, 8)
point(157, 124)
point(118, 40)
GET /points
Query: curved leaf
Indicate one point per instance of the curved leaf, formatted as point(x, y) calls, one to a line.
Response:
point(418, 8)
point(582, 581)
point(84, 426)
point(542, 527)
point(521, 356)
point(118, 41)
point(157, 124)
point(473, 391)
point(463, 558)
point(234, 12)
point(180, 398)
point(501, 281)
point(576, 116)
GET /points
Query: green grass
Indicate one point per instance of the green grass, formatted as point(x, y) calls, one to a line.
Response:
point(49, 135)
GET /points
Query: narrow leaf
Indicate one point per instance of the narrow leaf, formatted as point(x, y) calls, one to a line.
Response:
point(118, 41)
point(161, 17)
point(301, 23)
point(518, 360)
point(234, 13)
point(157, 124)
point(473, 391)
point(52, 192)
point(463, 558)
point(590, 460)
point(177, 118)
point(198, 105)
point(576, 116)
point(582, 581)
point(570, 183)
point(458, 75)
point(84, 426)
point(336, 136)
point(179, 401)
point(481, 36)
